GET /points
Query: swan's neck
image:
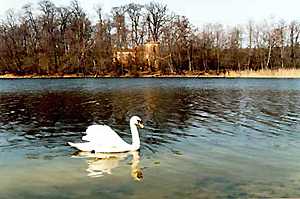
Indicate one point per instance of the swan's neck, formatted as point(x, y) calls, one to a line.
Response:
point(135, 137)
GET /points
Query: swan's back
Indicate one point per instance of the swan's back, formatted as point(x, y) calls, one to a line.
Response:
point(102, 135)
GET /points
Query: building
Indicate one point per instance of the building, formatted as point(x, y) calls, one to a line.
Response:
point(124, 55)
point(146, 55)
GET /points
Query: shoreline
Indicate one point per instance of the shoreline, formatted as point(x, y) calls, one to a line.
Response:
point(264, 73)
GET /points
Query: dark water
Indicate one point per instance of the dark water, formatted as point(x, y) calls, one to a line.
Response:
point(204, 138)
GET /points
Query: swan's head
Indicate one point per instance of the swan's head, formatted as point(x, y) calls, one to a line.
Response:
point(137, 121)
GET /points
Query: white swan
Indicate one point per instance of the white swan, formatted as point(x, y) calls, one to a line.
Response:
point(102, 138)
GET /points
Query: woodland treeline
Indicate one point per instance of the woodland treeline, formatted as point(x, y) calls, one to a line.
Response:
point(45, 39)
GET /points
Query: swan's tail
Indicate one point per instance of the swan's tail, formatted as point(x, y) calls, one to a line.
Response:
point(72, 144)
point(87, 146)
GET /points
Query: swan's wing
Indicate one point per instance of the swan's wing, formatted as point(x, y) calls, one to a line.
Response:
point(102, 135)
point(87, 146)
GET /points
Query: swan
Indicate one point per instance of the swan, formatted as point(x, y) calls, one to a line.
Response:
point(101, 138)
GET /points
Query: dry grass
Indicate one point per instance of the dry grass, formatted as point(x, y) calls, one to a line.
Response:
point(42, 76)
point(265, 73)
point(279, 73)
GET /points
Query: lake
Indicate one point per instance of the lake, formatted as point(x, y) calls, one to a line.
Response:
point(204, 138)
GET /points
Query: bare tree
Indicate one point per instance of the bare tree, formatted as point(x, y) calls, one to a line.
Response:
point(135, 14)
point(79, 36)
point(156, 19)
point(219, 43)
point(50, 35)
point(64, 20)
point(62, 40)
point(294, 36)
point(102, 46)
point(250, 29)
point(269, 38)
point(119, 25)
point(282, 27)
point(33, 24)
point(235, 47)
point(12, 37)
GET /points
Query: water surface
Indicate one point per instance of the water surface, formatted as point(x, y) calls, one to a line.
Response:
point(203, 138)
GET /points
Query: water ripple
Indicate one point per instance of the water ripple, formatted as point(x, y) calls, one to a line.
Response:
point(171, 112)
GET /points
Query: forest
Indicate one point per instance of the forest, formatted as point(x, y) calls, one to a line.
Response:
point(46, 39)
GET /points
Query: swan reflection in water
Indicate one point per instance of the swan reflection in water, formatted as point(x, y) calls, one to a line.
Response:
point(100, 164)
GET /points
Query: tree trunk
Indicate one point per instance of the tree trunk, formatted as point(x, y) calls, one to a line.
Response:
point(269, 56)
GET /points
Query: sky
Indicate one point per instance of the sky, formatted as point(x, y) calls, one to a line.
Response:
point(200, 12)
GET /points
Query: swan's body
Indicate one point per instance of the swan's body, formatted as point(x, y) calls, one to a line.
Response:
point(102, 138)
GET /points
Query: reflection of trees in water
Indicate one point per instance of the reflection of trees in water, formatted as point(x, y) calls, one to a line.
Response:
point(59, 114)
point(50, 108)
point(168, 113)
point(51, 115)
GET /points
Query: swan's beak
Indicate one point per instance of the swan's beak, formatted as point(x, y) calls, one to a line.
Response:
point(141, 125)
